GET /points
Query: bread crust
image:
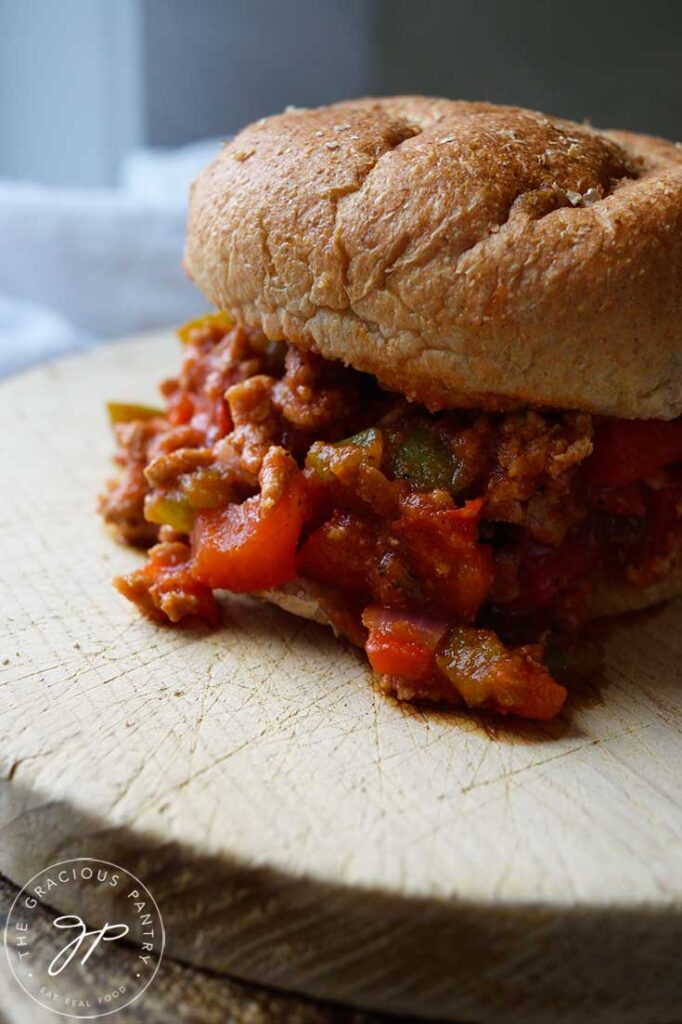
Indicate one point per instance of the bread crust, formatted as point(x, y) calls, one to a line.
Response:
point(298, 598)
point(615, 598)
point(464, 253)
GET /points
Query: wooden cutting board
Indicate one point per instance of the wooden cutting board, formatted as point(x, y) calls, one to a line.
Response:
point(296, 828)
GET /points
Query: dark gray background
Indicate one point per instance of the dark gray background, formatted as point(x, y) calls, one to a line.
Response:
point(214, 64)
point(84, 81)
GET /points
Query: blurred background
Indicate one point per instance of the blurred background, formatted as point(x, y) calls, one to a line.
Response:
point(109, 107)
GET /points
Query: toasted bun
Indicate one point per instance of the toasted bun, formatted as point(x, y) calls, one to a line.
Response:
point(298, 598)
point(610, 598)
point(464, 253)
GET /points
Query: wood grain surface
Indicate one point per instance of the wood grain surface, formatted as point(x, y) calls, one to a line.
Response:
point(296, 828)
point(179, 994)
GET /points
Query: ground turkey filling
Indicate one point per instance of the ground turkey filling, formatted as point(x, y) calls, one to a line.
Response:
point(451, 545)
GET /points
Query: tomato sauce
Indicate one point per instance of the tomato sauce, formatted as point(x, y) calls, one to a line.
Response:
point(268, 463)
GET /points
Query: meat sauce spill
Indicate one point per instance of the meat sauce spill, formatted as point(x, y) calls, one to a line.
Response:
point(457, 547)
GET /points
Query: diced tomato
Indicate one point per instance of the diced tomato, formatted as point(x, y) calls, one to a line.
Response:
point(429, 555)
point(343, 552)
point(205, 412)
point(529, 690)
point(221, 420)
point(212, 417)
point(628, 450)
point(251, 546)
point(402, 644)
point(442, 547)
point(354, 553)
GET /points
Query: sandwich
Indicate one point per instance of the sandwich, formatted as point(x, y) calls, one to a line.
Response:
point(437, 405)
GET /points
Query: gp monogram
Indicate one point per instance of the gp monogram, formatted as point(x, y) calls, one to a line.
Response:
point(72, 968)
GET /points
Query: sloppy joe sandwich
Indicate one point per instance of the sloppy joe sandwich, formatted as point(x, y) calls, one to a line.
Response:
point(438, 407)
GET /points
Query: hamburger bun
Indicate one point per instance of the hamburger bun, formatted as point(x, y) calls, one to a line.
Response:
point(614, 598)
point(298, 598)
point(465, 254)
point(609, 597)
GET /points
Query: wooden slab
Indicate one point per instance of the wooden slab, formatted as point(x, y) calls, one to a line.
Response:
point(179, 995)
point(296, 828)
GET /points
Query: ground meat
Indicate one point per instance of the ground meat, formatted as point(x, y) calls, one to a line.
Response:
point(215, 361)
point(274, 466)
point(276, 472)
point(651, 570)
point(644, 542)
point(474, 450)
point(168, 466)
point(316, 396)
point(177, 437)
point(165, 589)
point(122, 504)
point(256, 427)
point(531, 483)
point(240, 399)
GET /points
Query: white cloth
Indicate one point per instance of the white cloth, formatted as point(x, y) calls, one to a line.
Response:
point(77, 267)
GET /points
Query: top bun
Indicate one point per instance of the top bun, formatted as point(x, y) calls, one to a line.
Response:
point(465, 254)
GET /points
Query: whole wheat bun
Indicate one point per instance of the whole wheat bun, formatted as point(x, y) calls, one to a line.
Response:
point(464, 253)
point(608, 597)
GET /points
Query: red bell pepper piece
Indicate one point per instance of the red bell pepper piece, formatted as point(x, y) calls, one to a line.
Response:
point(443, 549)
point(251, 546)
point(628, 450)
point(402, 644)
